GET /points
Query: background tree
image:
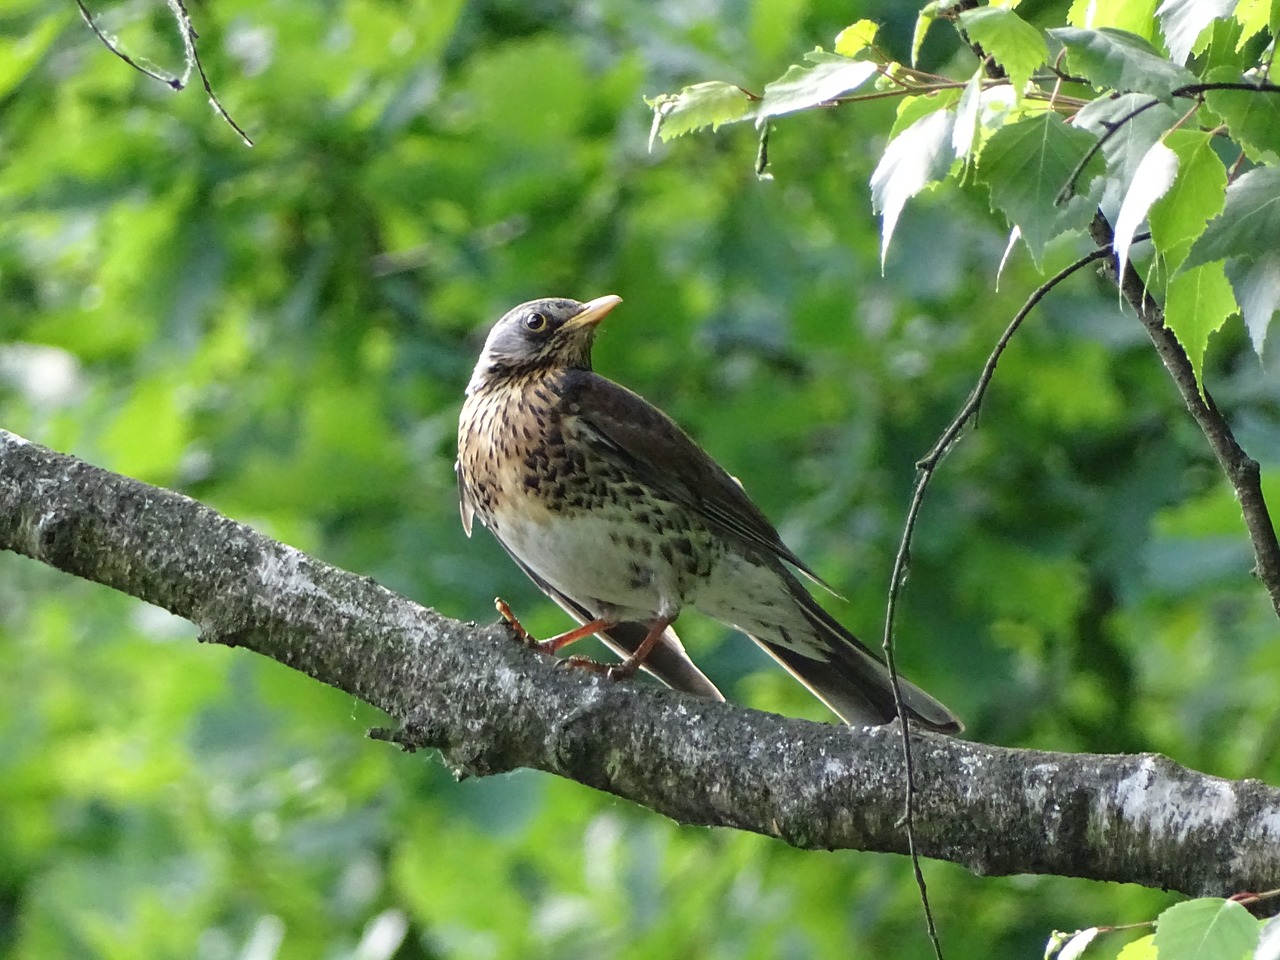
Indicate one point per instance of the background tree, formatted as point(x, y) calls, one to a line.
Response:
point(284, 332)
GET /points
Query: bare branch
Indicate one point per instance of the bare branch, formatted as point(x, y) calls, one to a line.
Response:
point(489, 705)
point(1242, 471)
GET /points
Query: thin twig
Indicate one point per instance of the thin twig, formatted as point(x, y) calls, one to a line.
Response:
point(168, 80)
point(1242, 471)
point(1113, 127)
point(191, 56)
point(189, 37)
point(926, 467)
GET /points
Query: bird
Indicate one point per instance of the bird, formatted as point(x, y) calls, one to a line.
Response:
point(618, 515)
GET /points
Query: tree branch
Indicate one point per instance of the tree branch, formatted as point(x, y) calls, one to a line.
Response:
point(490, 705)
point(1242, 470)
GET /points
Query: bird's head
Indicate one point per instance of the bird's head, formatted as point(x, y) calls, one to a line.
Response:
point(539, 335)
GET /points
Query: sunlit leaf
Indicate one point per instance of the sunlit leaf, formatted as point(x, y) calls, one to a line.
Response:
point(1256, 282)
point(1197, 303)
point(965, 129)
point(1138, 122)
point(711, 104)
point(1075, 947)
point(1206, 929)
point(915, 158)
point(1134, 16)
point(1013, 43)
point(1182, 20)
point(924, 20)
point(1151, 181)
point(1144, 948)
point(803, 87)
point(1249, 223)
point(1197, 196)
point(1112, 59)
point(856, 37)
point(911, 109)
point(1026, 164)
point(1253, 17)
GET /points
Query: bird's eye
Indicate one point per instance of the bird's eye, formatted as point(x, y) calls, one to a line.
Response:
point(536, 322)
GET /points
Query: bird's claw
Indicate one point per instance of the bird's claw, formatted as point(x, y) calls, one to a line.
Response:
point(504, 611)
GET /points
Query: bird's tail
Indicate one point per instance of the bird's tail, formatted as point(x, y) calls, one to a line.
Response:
point(843, 673)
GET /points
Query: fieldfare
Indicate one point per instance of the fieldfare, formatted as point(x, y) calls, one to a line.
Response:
point(618, 516)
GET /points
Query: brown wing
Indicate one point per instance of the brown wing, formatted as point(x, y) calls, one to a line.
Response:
point(664, 457)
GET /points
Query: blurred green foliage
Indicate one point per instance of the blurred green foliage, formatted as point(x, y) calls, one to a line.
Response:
point(284, 333)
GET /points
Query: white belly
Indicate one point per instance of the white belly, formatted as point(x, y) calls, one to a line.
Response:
point(581, 556)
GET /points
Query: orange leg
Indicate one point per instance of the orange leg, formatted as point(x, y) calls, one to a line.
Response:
point(555, 643)
point(628, 667)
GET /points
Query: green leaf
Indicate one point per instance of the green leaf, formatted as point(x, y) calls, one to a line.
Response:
point(1133, 16)
point(1196, 197)
point(1256, 283)
point(1012, 42)
point(1117, 60)
point(856, 37)
point(915, 158)
point(1205, 929)
point(1197, 304)
point(1136, 133)
point(924, 20)
point(1253, 17)
point(1249, 223)
point(803, 87)
point(1026, 164)
point(911, 109)
point(1144, 948)
point(1181, 22)
point(1252, 118)
point(711, 104)
point(1152, 179)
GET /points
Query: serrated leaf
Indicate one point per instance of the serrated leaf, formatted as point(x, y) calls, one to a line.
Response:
point(856, 37)
point(924, 20)
point(1197, 304)
point(1125, 148)
point(1012, 42)
point(1196, 197)
point(1252, 118)
point(1208, 927)
point(915, 158)
point(1256, 283)
point(1113, 59)
point(1134, 16)
point(1153, 178)
point(1144, 948)
point(1253, 17)
point(1074, 947)
point(711, 104)
point(803, 87)
point(1249, 223)
point(1026, 164)
point(1182, 20)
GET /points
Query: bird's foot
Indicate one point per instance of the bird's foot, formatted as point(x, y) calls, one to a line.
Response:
point(613, 671)
point(580, 662)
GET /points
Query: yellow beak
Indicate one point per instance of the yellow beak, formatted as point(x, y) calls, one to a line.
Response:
point(592, 312)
